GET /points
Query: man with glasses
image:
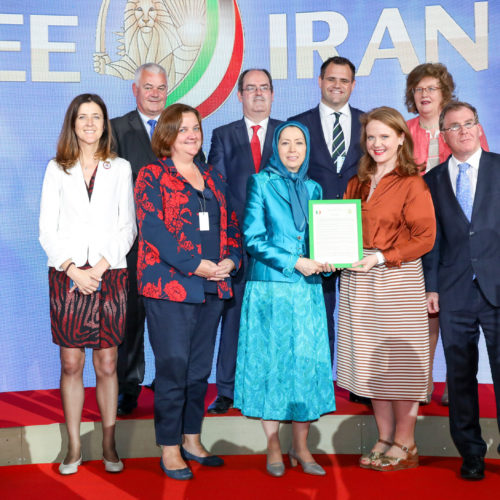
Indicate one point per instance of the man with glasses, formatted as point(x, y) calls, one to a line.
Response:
point(462, 274)
point(335, 151)
point(240, 149)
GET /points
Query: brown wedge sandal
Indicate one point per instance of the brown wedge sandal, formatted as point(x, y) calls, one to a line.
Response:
point(365, 461)
point(388, 463)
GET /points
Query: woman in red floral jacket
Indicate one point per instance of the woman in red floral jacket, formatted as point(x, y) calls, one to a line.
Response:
point(189, 244)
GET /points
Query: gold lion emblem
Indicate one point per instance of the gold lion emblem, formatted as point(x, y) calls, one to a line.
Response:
point(166, 32)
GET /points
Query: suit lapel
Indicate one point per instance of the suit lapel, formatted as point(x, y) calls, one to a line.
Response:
point(241, 137)
point(355, 133)
point(141, 134)
point(447, 195)
point(320, 138)
point(484, 186)
point(267, 150)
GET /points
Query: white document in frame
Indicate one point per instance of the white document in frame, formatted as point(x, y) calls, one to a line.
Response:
point(336, 232)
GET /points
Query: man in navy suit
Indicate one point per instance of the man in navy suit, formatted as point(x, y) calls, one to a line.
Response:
point(240, 149)
point(132, 133)
point(462, 275)
point(333, 162)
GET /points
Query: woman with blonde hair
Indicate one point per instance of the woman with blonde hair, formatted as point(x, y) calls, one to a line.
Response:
point(383, 336)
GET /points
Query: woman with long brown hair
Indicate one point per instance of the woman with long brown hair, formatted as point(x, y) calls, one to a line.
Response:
point(383, 337)
point(87, 226)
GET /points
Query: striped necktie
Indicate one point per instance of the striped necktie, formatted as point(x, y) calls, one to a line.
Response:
point(338, 143)
point(464, 196)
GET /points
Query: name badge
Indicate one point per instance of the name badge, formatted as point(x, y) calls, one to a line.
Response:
point(204, 222)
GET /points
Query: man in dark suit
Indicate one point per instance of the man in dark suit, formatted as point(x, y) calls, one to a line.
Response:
point(240, 149)
point(462, 275)
point(132, 133)
point(335, 150)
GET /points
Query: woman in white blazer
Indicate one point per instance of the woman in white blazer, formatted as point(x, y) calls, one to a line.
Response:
point(87, 227)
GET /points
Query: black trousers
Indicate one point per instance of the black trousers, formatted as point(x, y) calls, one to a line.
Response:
point(131, 363)
point(228, 342)
point(460, 336)
point(183, 339)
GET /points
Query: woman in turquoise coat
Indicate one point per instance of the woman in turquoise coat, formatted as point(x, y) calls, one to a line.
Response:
point(283, 369)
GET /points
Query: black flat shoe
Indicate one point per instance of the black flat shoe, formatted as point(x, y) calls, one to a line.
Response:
point(354, 398)
point(211, 461)
point(221, 405)
point(179, 474)
point(126, 404)
point(472, 468)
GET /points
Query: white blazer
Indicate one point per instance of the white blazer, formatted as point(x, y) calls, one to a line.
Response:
point(72, 227)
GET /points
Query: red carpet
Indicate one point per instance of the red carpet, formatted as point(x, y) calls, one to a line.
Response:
point(244, 478)
point(44, 407)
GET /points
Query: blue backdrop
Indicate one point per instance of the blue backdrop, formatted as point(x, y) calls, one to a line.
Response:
point(47, 52)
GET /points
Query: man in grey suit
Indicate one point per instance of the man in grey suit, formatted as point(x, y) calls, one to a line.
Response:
point(240, 149)
point(462, 276)
point(132, 133)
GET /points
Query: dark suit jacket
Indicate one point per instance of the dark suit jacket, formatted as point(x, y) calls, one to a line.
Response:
point(169, 236)
point(464, 249)
point(321, 166)
point(231, 155)
point(132, 141)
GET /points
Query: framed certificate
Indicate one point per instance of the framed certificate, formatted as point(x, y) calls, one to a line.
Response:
point(335, 232)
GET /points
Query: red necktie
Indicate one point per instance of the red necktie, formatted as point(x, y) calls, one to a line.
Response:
point(255, 147)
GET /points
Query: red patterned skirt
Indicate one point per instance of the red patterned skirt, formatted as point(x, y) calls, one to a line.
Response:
point(96, 320)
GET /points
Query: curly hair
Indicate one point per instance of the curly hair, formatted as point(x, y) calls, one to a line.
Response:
point(433, 70)
point(168, 127)
point(392, 118)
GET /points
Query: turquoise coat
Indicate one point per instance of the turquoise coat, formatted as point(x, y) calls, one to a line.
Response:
point(270, 236)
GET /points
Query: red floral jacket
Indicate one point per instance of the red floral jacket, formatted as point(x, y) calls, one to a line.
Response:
point(169, 237)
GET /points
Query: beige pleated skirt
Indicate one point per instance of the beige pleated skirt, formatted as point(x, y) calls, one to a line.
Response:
point(383, 333)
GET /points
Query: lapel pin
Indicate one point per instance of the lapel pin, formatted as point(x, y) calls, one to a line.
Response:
point(106, 165)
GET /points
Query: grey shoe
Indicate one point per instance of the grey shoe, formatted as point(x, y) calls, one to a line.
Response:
point(276, 469)
point(308, 467)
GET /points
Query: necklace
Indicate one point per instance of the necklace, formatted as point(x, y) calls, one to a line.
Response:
point(376, 180)
point(431, 128)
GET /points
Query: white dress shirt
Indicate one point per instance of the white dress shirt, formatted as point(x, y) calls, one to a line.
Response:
point(261, 133)
point(74, 227)
point(145, 120)
point(473, 161)
point(327, 117)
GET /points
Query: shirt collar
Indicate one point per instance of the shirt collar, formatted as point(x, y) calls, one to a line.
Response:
point(473, 160)
point(145, 118)
point(325, 110)
point(249, 123)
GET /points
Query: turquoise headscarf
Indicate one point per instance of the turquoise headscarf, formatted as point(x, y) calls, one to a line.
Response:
point(299, 196)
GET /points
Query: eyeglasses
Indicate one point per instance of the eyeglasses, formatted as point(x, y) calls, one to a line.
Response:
point(455, 127)
point(429, 90)
point(253, 88)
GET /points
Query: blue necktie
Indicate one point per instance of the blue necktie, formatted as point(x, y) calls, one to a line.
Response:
point(152, 125)
point(464, 195)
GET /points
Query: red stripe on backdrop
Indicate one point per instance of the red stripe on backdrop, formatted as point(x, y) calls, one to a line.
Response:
point(222, 92)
